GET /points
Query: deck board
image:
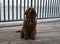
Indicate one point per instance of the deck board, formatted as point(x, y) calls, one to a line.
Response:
point(47, 33)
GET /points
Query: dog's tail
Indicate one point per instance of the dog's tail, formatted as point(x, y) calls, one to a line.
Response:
point(18, 31)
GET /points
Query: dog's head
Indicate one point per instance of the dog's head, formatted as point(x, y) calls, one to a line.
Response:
point(30, 13)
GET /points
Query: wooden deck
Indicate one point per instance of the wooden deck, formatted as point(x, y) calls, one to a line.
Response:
point(47, 33)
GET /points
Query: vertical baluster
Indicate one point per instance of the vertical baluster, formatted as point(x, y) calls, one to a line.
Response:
point(12, 9)
point(43, 10)
point(20, 9)
point(48, 10)
point(35, 4)
point(0, 11)
point(31, 2)
point(52, 9)
point(4, 9)
point(16, 9)
point(24, 8)
point(27, 3)
point(58, 7)
point(37, 8)
point(40, 7)
point(55, 8)
point(8, 11)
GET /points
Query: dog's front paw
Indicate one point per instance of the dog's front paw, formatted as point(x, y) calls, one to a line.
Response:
point(22, 36)
point(26, 38)
point(32, 38)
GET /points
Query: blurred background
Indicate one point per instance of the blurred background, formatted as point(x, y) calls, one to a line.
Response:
point(13, 10)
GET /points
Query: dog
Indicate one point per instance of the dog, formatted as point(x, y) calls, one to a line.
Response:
point(29, 25)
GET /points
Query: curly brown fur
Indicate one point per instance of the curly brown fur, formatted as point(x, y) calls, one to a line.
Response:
point(29, 24)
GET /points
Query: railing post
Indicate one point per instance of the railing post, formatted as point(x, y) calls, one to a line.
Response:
point(59, 8)
point(40, 7)
point(20, 8)
point(16, 9)
point(51, 8)
point(34, 3)
point(48, 9)
point(24, 8)
point(4, 9)
point(43, 10)
point(54, 8)
point(12, 9)
point(27, 3)
point(8, 11)
point(0, 11)
point(37, 7)
point(31, 2)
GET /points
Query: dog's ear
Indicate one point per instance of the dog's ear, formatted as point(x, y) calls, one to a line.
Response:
point(35, 13)
point(27, 11)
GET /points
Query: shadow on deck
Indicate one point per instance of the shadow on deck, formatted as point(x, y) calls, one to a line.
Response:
point(47, 33)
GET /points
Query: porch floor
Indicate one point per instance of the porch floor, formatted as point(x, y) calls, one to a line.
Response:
point(47, 33)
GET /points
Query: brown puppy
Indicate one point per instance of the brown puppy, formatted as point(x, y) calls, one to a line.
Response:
point(29, 24)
